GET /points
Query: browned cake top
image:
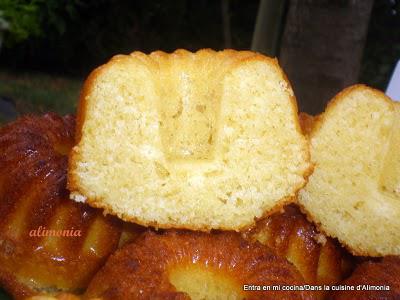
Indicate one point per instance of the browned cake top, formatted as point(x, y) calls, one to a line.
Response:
point(33, 200)
point(176, 264)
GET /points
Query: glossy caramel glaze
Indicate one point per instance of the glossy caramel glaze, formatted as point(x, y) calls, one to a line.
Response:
point(33, 195)
point(321, 260)
point(368, 275)
point(141, 269)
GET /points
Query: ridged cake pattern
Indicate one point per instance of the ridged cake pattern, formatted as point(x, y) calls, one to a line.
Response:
point(34, 201)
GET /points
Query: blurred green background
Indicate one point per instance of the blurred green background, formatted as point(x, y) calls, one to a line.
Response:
point(50, 46)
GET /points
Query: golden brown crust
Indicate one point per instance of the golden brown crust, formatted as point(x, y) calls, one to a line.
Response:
point(33, 167)
point(241, 57)
point(319, 259)
point(137, 222)
point(382, 273)
point(279, 207)
point(140, 269)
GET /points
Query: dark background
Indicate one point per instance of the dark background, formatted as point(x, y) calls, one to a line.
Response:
point(51, 46)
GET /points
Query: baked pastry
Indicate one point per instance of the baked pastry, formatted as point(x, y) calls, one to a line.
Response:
point(48, 243)
point(194, 265)
point(205, 140)
point(354, 192)
point(372, 280)
point(320, 259)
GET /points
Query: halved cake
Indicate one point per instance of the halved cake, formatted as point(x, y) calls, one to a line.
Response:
point(188, 140)
point(354, 192)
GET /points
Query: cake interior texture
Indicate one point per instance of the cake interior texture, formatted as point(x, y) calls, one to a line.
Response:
point(354, 192)
point(192, 140)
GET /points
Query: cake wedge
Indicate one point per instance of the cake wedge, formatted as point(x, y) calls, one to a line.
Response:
point(204, 140)
point(354, 192)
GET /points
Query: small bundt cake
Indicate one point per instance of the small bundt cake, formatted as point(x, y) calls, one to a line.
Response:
point(205, 140)
point(196, 265)
point(372, 280)
point(48, 243)
point(319, 259)
point(354, 192)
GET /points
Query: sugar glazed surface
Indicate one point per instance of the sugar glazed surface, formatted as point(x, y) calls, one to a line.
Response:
point(194, 265)
point(190, 140)
point(319, 259)
point(34, 201)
